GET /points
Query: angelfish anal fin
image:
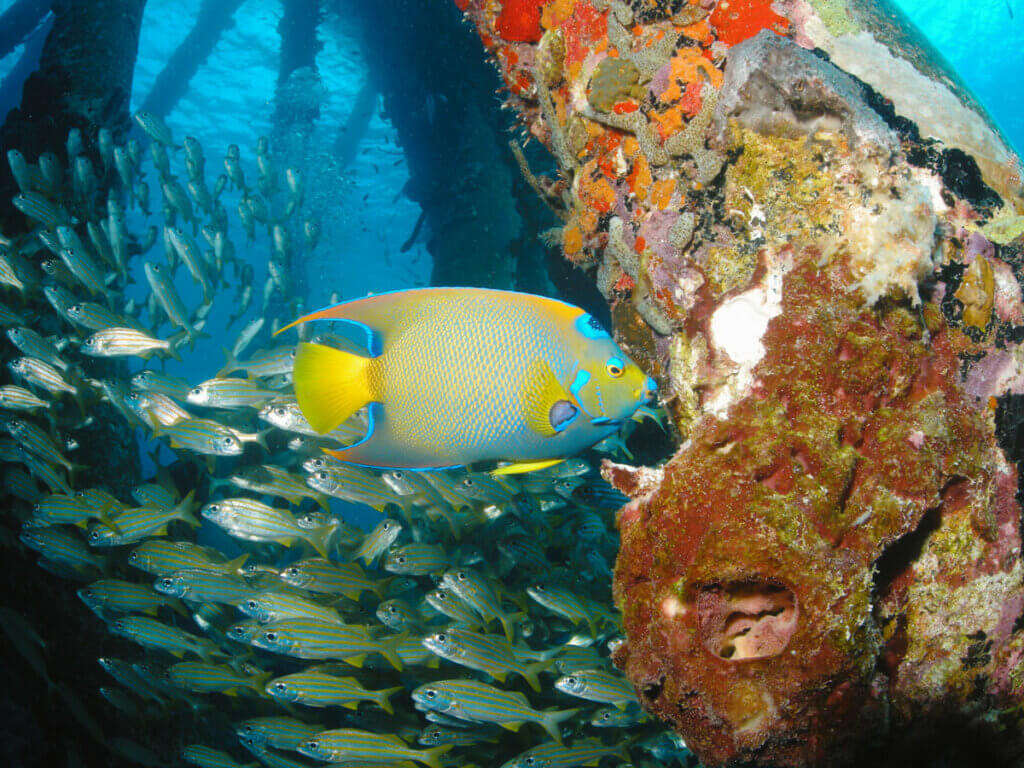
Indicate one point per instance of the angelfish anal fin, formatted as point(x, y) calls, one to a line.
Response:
point(540, 390)
point(519, 467)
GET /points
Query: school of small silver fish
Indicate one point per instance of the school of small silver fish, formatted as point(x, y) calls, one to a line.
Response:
point(472, 625)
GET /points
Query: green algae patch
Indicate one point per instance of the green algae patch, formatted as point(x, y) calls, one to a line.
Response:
point(836, 17)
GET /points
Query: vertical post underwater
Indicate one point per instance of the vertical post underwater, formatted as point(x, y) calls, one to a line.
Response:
point(296, 111)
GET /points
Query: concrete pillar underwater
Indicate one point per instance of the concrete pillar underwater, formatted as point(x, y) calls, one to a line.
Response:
point(813, 237)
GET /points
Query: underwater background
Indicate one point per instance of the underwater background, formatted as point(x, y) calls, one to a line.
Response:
point(376, 142)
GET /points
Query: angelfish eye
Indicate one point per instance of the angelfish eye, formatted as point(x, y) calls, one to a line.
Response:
point(614, 367)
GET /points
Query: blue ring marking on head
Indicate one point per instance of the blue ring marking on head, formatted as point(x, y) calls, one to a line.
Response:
point(587, 325)
point(651, 385)
point(578, 383)
point(615, 360)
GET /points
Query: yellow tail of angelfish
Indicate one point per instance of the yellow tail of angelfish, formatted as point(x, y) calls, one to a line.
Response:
point(330, 385)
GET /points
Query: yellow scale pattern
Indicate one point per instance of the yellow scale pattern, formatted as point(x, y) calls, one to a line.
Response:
point(478, 348)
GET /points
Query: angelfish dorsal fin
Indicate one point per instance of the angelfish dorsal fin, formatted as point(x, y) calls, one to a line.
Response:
point(546, 406)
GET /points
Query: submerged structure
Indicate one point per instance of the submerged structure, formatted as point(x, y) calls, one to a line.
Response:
point(811, 235)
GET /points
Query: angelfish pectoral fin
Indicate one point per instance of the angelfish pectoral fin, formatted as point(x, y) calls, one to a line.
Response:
point(545, 405)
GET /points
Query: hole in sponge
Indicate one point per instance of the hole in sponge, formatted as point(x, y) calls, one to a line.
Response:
point(746, 619)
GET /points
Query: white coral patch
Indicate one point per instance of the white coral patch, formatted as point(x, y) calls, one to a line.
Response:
point(736, 329)
point(739, 323)
point(891, 243)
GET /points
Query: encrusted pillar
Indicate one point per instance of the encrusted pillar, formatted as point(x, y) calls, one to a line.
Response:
point(811, 235)
point(84, 80)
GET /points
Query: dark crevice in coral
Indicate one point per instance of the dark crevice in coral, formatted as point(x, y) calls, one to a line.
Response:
point(651, 691)
point(904, 552)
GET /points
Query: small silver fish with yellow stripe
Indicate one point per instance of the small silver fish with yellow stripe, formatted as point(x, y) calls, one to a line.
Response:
point(163, 383)
point(368, 748)
point(31, 344)
point(398, 616)
point(96, 317)
point(85, 270)
point(123, 673)
point(38, 207)
point(62, 545)
point(588, 751)
point(476, 590)
point(272, 606)
point(208, 757)
point(162, 556)
point(488, 653)
point(566, 603)
point(15, 398)
point(598, 685)
point(203, 436)
point(201, 677)
point(154, 127)
point(417, 559)
point(119, 596)
point(277, 732)
point(128, 342)
point(36, 440)
point(383, 535)
point(43, 470)
point(42, 374)
point(168, 298)
point(155, 409)
point(133, 525)
point(203, 586)
point(454, 607)
point(252, 520)
point(154, 634)
point(61, 509)
point(307, 638)
point(263, 363)
point(323, 576)
point(230, 393)
point(478, 702)
point(271, 480)
point(318, 689)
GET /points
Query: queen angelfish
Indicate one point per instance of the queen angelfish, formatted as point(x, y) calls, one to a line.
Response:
point(455, 376)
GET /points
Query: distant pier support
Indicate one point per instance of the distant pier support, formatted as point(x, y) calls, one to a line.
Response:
point(18, 21)
point(215, 17)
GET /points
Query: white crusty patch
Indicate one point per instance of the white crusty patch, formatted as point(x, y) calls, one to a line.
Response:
point(736, 329)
